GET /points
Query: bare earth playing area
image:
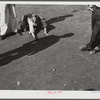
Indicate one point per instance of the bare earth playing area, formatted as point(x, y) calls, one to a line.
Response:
point(54, 62)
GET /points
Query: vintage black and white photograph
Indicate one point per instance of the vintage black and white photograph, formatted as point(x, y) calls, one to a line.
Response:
point(49, 47)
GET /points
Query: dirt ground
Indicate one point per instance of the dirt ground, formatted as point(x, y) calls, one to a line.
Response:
point(54, 62)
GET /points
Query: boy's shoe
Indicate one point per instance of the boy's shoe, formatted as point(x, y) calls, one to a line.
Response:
point(83, 48)
point(2, 37)
point(96, 49)
point(92, 52)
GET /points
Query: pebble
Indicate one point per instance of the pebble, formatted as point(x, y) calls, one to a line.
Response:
point(65, 85)
point(75, 82)
point(31, 72)
point(83, 76)
point(65, 65)
point(18, 83)
point(35, 58)
point(39, 61)
point(54, 69)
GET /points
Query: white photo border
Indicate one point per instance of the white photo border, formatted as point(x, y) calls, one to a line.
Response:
point(43, 94)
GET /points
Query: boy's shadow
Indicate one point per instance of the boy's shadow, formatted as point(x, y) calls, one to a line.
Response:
point(58, 19)
point(48, 41)
point(31, 48)
point(54, 20)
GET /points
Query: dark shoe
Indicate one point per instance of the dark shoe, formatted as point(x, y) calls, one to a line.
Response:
point(36, 39)
point(2, 37)
point(13, 33)
point(19, 32)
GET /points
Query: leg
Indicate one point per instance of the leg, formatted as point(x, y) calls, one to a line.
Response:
point(31, 29)
point(3, 20)
point(43, 25)
point(45, 31)
point(96, 39)
point(13, 25)
point(97, 48)
point(95, 30)
point(93, 20)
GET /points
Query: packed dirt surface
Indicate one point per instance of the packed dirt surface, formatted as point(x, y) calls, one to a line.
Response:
point(55, 61)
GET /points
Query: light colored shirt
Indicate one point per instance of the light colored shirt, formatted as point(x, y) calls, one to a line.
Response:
point(90, 7)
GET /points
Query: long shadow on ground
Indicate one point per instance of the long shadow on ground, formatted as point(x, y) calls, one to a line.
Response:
point(31, 48)
point(56, 19)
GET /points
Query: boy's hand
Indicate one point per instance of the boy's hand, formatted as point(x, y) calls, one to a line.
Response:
point(90, 7)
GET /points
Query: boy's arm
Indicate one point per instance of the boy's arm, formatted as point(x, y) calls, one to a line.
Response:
point(14, 10)
point(90, 7)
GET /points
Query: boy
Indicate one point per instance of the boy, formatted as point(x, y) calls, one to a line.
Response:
point(94, 45)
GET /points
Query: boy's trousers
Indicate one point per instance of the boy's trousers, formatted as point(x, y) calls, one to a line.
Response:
point(95, 25)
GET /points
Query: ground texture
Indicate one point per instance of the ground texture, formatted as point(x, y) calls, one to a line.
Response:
point(54, 62)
